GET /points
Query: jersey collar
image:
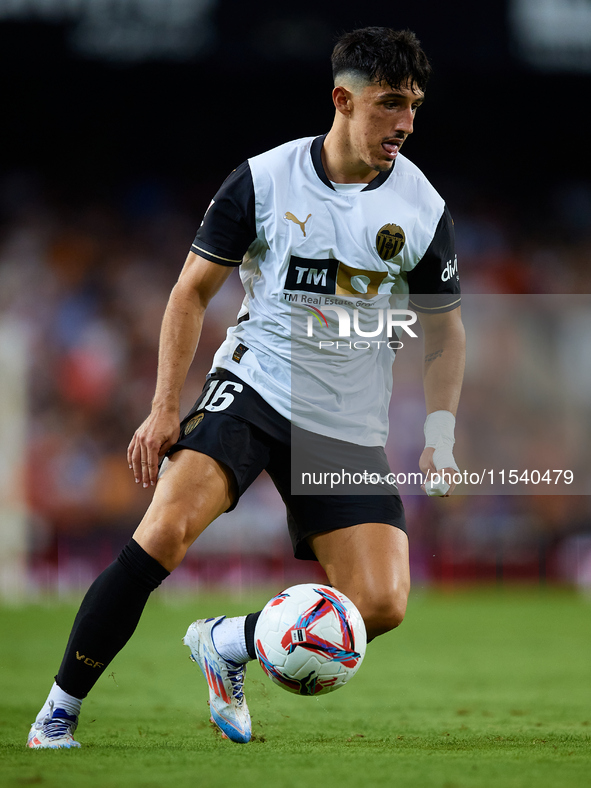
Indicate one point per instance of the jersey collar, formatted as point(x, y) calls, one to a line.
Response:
point(315, 152)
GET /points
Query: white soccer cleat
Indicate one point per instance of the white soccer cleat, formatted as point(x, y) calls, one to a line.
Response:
point(55, 732)
point(227, 703)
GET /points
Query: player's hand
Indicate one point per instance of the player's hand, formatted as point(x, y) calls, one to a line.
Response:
point(428, 469)
point(150, 442)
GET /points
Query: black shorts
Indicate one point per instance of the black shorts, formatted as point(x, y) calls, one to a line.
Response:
point(233, 424)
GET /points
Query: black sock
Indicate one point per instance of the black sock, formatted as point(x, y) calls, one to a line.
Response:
point(107, 617)
point(249, 625)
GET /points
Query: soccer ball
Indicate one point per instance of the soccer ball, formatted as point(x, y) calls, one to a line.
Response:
point(310, 639)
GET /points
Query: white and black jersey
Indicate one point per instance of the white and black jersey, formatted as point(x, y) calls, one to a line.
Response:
point(323, 265)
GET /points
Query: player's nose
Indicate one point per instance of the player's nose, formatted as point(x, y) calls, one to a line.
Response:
point(406, 120)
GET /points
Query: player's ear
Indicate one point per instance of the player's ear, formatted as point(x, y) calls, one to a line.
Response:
point(343, 100)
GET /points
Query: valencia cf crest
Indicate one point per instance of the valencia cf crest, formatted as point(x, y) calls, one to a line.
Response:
point(390, 241)
point(190, 425)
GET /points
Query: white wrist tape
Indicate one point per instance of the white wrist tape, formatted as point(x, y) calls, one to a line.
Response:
point(439, 434)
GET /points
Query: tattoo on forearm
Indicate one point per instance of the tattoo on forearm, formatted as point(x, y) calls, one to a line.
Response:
point(432, 356)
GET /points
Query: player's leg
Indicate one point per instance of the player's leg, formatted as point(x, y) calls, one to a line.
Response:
point(217, 645)
point(360, 541)
point(222, 646)
point(369, 564)
point(192, 492)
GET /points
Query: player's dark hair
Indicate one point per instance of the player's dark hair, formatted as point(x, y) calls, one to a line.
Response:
point(381, 54)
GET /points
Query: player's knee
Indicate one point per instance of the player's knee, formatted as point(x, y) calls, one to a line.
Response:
point(385, 614)
point(168, 537)
point(169, 543)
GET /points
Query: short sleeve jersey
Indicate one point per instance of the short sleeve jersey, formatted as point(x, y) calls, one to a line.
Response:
point(330, 274)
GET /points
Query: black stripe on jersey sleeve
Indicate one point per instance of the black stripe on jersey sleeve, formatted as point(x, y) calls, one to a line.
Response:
point(229, 225)
point(434, 283)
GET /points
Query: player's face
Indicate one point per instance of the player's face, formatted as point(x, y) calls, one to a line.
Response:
point(381, 119)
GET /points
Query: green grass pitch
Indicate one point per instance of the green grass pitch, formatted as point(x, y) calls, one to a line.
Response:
point(481, 688)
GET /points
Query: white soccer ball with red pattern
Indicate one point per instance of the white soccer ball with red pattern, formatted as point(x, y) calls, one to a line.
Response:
point(310, 639)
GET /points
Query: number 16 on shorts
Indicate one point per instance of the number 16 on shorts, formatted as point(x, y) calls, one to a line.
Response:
point(219, 395)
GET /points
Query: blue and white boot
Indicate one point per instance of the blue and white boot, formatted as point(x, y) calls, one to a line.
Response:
point(227, 703)
point(55, 731)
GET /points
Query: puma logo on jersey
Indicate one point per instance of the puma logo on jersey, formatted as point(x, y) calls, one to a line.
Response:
point(302, 225)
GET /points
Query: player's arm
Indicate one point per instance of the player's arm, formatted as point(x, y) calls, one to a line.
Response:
point(227, 230)
point(434, 287)
point(443, 373)
point(443, 364)
point(198, 282)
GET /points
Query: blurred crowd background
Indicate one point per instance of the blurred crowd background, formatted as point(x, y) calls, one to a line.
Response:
point(121, 120)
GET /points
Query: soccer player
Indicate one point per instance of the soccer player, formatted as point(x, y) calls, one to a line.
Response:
point(337, 226)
